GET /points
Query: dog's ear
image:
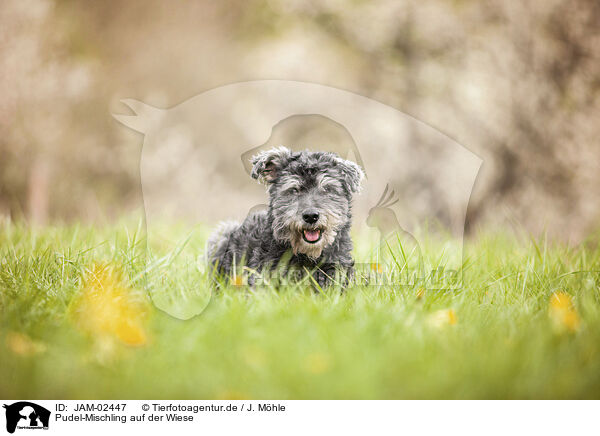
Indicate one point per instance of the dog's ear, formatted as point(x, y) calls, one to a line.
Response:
point(353, 174)
point(266, 164)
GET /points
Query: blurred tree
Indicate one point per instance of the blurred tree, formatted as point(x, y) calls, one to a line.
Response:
point(516, 82)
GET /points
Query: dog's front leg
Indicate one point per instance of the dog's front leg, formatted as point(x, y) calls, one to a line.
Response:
point(325, 274)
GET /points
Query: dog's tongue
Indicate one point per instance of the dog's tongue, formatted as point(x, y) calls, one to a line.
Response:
point(311, 235)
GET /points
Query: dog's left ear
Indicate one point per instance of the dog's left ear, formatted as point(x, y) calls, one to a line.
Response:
point(266, 164)
point(353, 174)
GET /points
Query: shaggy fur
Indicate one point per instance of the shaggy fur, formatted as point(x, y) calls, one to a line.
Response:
point(306, 226)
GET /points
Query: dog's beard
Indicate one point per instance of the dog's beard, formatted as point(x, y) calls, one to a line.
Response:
point(294, 232)
point(314, 249)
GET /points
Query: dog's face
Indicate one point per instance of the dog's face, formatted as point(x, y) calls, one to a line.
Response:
point(310, 195)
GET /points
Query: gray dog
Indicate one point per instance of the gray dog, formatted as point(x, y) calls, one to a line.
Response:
point(306, 226)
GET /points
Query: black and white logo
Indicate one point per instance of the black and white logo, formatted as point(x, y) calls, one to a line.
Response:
point(26, 415)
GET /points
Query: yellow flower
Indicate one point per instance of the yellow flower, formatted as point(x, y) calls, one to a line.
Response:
point(254, 357)
point(442, 318)
point(317, 363)
point(23, 345)
point(452, 317)
point(377, 267)
point(561, 300)
point(562, 312)
point(107, 308)
point(236, 280)
point(231, 395)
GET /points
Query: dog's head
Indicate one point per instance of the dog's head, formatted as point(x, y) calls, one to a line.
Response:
point(310, 195)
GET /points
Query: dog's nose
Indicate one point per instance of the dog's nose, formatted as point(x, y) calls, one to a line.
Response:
point(310, 217)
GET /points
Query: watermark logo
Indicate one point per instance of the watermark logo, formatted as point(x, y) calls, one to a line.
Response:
point(24, 415)
point(195, 165)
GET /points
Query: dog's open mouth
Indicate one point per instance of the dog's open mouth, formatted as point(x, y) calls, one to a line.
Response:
point(311, 236)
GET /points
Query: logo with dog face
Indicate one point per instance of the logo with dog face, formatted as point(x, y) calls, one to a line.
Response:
point(26, 415)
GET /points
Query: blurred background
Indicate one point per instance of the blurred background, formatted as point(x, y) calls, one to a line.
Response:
point(517, 83)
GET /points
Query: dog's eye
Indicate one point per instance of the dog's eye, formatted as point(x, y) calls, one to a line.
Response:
point(293, 190)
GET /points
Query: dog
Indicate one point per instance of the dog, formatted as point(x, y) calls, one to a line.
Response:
point(306, 227)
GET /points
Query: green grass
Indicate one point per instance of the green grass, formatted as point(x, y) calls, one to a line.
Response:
point(368, 342)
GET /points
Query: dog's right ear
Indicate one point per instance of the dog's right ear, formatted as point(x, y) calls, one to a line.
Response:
point(266, 164)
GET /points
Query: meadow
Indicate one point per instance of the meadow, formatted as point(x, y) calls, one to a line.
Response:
point(84, 315)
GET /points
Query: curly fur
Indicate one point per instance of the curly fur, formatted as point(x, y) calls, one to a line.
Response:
point(299, 184)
